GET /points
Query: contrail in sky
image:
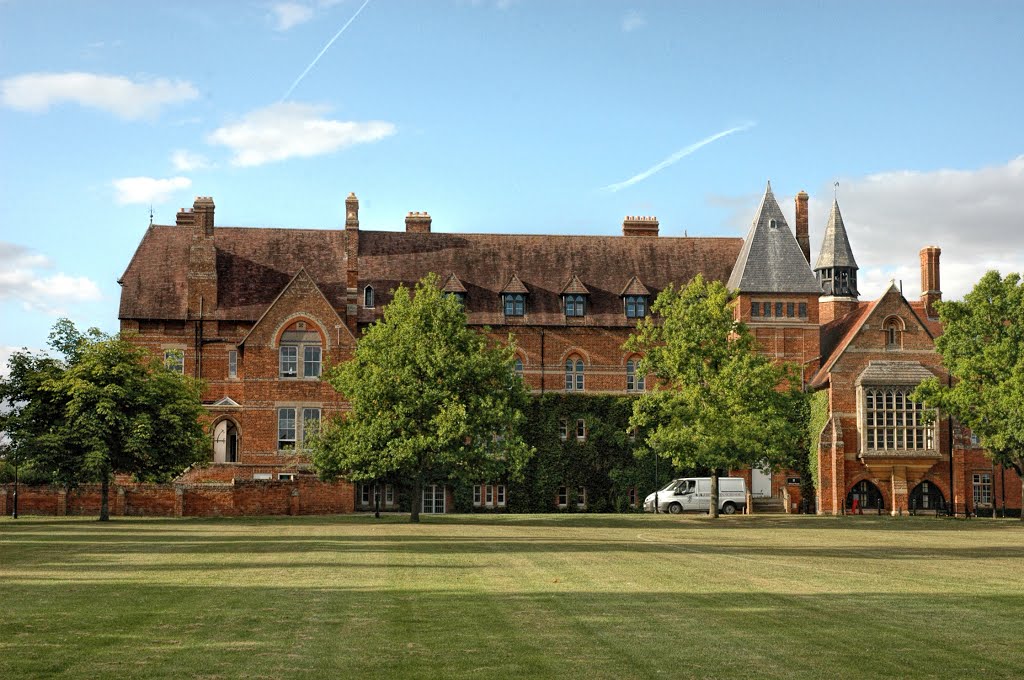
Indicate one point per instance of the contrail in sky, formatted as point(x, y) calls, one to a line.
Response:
point(326, 47)
point(676, 157)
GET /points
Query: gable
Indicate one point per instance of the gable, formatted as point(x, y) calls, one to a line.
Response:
point(301, 299)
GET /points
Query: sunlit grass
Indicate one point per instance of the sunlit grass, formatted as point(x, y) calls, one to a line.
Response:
point(511, 596)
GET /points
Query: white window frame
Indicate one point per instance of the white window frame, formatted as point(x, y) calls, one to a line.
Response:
point(563, 429)
point(477, 495)
point(174, 360)
point(283, 429)
point(435, 489)
point(489, 496)
point(288, 355)
point(232, 363)
point(262, 477)
point(581, 430)
point(500, 495)
point(312, 366)
point(286, 476)
point(981, 484)
point(575, 374)
point(310, 414)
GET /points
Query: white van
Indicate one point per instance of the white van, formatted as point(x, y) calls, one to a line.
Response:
point(694, 494)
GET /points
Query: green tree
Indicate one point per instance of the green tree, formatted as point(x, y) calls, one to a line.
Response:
point(107, 407)
point(716, 403)
point(429, 399)
point(982, 347)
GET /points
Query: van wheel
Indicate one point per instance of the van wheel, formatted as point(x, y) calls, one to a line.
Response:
point(675, 509)
point(729, 509)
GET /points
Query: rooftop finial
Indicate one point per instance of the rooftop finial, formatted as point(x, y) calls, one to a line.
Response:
point(835, 192)
point(151, 214)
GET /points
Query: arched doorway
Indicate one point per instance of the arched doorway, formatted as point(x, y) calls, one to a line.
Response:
point(926, 496)
point(225, 442)
point(867, 495)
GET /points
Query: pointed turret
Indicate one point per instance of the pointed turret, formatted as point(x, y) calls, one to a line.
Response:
point(771, 260)
point(836, 269)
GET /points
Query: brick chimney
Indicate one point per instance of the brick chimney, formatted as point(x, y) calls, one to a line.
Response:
point(417, 223)
point(202, 257)
point(802, 230)
point(931, 290)
point(640, 226)
point(352, 260)
point(185, 217)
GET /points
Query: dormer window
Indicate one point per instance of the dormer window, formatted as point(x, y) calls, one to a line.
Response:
point(574, 305)
point(772, 224)
point(460, 297)
point(636, 306)
point(368, 297)
point(515, 304)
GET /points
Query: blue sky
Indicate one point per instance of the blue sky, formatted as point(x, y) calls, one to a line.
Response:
point(501, 115)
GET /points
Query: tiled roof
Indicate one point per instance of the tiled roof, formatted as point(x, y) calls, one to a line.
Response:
point(453, 285)
point(894, 373)
point(771, 260)
point(253, 266)
point(487, 263)
point(575, 287)
point(835, 245)
point(635, 287)
point(514, 285)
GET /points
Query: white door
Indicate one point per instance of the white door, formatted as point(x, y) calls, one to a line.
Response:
point(760, 483)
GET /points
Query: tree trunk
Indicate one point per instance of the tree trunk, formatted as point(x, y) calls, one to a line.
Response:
point(713, 506)
point(105, 497)
point(417, 497)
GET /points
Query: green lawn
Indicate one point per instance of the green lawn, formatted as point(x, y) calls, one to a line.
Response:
point(567, 596)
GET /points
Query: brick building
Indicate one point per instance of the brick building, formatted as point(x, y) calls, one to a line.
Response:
point(258, 313)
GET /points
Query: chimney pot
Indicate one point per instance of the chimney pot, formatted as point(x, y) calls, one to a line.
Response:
point(417, 222)
point(352, 211)
point(635, 225)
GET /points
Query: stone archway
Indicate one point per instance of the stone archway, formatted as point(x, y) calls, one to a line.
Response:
point(867, 495)
point(927, 496)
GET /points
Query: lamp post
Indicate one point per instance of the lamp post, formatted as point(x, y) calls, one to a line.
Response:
point(14, 515)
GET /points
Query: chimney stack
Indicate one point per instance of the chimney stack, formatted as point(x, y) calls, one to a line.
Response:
point(802, 230)
point(351, 212)
point(931, 290)
point(417, 223)
point(202, 211)
point(640, 226)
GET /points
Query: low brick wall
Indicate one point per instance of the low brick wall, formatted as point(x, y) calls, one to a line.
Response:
point(235, 498)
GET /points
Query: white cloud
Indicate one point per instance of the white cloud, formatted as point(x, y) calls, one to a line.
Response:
point(972, 215)
point(288, 130)
point(25, 277)
point(287, 15)
point(147, 190)
point(633, 20)
point(118, 95)
point(186, 161)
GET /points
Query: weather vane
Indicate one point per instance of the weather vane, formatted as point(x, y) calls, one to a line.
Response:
point(151, 214)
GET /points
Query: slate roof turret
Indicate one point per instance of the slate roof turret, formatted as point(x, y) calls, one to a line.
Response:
point(771, 260)
point(835, 246)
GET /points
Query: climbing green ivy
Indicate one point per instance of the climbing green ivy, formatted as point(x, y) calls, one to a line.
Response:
point(819, 416)
point(607, 462)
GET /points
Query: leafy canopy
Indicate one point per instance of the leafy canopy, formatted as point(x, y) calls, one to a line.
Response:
point(429, 397)
point(982, 347)
point(717, 402)
point(104, 406)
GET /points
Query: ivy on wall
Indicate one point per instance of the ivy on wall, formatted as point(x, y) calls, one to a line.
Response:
point(604, 462)
point(816, 423)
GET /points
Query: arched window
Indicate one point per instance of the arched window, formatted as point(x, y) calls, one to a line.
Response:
point(519, 367)
point(368, 297)
point(634, 380)
point(926, 496)
point(300, 353)
point(867, 495)
point(772, 224)
point(515, 304)
point(574, 305)
point(636, 306)
point(892, 334)
point(574, 374)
